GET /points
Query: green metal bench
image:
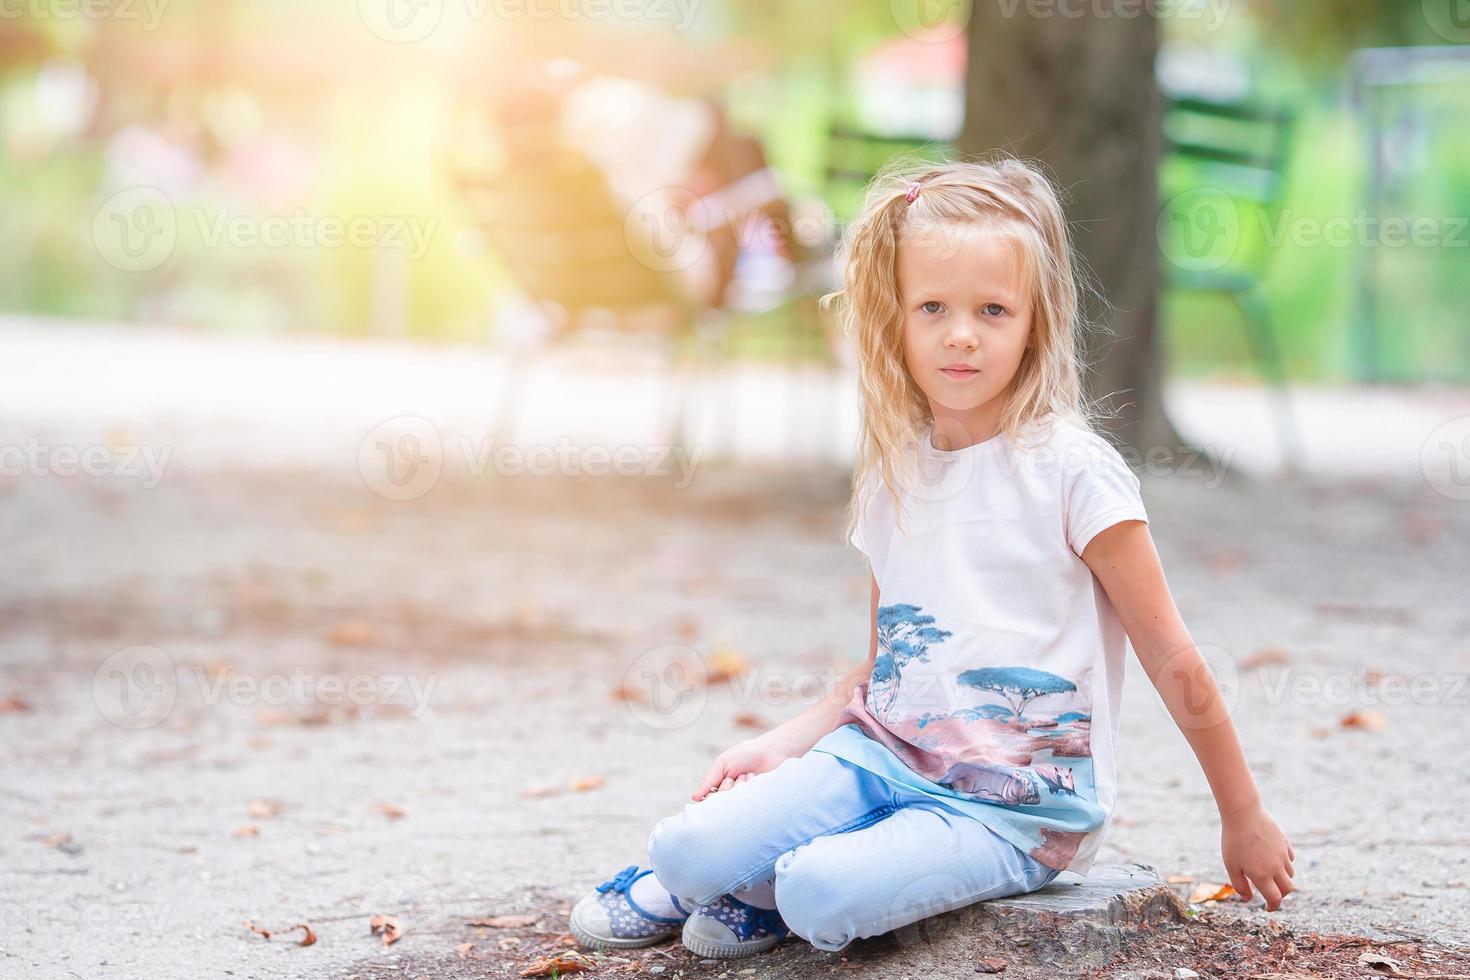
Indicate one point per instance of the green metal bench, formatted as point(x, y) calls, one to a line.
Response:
point(1222, 181)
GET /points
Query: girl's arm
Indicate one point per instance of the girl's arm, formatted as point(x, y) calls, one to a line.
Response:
point(1253, 847)
point(795, 737)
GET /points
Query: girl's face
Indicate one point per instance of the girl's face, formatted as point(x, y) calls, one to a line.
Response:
point(966, 320)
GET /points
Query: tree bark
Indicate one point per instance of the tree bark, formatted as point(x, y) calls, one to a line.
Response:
point(1076, 91)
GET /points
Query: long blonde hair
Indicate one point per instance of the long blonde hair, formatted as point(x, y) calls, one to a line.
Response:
point(1011, 194)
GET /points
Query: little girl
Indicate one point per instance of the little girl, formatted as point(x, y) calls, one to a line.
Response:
point(971, 755)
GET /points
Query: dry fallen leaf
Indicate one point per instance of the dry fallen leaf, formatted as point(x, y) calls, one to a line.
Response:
point(249, 830)
point(725, 665)
point(265, 809)
point(14, 704)
point(1369, 720)
point(391, 812)
point(505, 921)
point(1262, 658)
point(1379, 962)
point(582, 783)
point(991, 964)
point(464, 950)
point(747, 719)
point(536, 792)
point(568, 961)
point(1207, 891)
point(307, 940)
point(354, 633)
point(1179, 879)
point(687, 629)
point(259, 929)
point(627, 692)
point(56, 840)
point(388, 926)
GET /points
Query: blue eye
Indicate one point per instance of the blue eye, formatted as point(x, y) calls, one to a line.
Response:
point(993, 309)
point(934, 303)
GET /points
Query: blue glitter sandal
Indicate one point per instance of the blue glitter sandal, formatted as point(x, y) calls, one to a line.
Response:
point(728, 929)
point(608, 918)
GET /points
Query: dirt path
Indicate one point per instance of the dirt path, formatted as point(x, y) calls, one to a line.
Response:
point(379, 707)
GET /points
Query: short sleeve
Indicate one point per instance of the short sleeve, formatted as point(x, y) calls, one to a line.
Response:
point(1100, 491)
point(859, 537)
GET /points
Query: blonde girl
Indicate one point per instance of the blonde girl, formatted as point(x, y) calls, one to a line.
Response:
point(971, 754)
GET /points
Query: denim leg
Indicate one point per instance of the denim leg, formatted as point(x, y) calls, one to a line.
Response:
point(731, 839)
point(921, 860)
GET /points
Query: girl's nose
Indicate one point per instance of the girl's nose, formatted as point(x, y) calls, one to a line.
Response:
point(962, 335)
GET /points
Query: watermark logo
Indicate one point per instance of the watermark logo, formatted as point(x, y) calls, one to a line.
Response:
point(667, 230)
point(149, 12)
point(136, 230)
point(403, 897)
point(931, 21)
point(1444, 458)
point(401, 459)
point(1450, 19)
point(1211, 13)
point(401, 21)
point(1206, 678)
point(409, 21)
point(143, 463)
point(136, 687)
point(1199, 230)
point(671, 685)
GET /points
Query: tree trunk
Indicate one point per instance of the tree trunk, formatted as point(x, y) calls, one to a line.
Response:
point(1078, 94)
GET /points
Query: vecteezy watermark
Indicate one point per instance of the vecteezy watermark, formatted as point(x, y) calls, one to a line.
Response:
point(668, 229)
point(150, 12)
point(1450, 19)
point(143, 463)
point(1201, 230)
point(132, 918)
point(409, 21)
point(668, 686)
point(932, 21)
point(135, 687)
point(403, 895)
point(137, 230)
point(1363, 230)
point(1445, 458)
point(403, 459)
point(1211, 13)
point(303, 688)
point(1364, 688)
point(138, 687)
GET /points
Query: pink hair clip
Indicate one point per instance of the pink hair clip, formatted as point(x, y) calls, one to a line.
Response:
point(913, 192)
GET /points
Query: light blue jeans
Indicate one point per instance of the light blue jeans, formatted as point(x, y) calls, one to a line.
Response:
point(846, 854)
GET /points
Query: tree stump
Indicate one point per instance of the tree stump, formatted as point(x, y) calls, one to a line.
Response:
point(1075, 922)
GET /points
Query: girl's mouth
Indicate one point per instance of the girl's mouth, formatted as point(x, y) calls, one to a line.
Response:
point(959, 373)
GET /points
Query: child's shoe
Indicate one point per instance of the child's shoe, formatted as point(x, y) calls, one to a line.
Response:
point(728, 929)
point(609, 918)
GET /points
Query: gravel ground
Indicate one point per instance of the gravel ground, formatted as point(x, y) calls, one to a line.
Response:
point(264, 694)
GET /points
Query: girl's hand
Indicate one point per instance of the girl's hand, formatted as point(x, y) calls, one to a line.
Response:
point(1255, 849)
point(741, 761)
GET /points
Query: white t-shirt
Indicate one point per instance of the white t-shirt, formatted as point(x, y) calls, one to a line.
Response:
point(1000, 661)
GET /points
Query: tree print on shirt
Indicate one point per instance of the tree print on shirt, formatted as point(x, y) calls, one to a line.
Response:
point(905, 634)
point(1018, 685)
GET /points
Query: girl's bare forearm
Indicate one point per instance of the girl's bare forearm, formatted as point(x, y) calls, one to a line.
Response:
point(1189, 691)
